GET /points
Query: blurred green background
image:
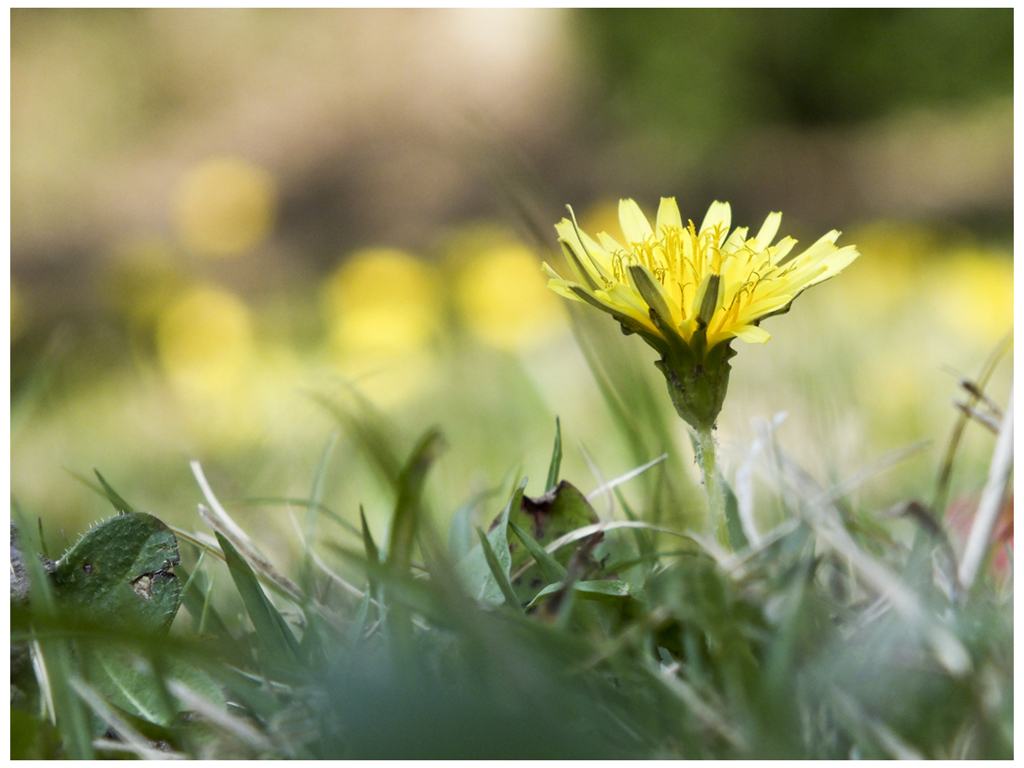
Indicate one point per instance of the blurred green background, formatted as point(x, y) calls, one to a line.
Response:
point(218, 215)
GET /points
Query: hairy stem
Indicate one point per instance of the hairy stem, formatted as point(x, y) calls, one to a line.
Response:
point(712, 482)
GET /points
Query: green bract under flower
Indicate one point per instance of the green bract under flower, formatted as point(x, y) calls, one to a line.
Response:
point(688, 291)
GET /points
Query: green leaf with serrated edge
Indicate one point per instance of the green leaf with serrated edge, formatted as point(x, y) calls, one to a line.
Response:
point(545, 519)
point(496, 571)
point(473, 568)
point(120, 572)
point(556, 458)
point(552, 569)
point(273, 634)
point(737, 538)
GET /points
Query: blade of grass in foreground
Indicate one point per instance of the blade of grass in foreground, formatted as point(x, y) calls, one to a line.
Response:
point(500, 577)
point(408, 508)
point(556, 458)
point(273, 633)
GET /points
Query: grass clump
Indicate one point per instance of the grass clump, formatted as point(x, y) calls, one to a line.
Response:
point(535, 626)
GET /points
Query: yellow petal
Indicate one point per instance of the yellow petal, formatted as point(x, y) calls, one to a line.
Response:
point(768, 231)
point(735, 241)
point(610, 244)
point(589, 252)
point(634, 224)
point(752, 334)
point(668, 214)
point(718, 215)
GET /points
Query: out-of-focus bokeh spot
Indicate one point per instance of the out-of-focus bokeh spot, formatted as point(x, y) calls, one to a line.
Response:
point(893, 256)
point(225, 207)
point(382, 307)
point(205, 341)
point(973, 295)
point(504, 299)
point(382, 300)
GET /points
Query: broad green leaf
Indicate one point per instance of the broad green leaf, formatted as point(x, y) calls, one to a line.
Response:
point(129, 683)
point(121, 572)
point(546, 518)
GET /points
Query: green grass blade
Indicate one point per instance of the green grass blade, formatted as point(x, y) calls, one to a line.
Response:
point(372, 553)
point(195, 597)
point(104, 490)
point(273, 633)
point(369, 430)
point(312, 507)
point(119, 503)
point(644, 545)
point(737, 538)
point(498, 572)
point(295, 502)
point(408, 508)
point(551, 569)
point(474, 571)
point(556, 458)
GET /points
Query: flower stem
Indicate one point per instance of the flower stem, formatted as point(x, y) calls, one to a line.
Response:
point(712, 482)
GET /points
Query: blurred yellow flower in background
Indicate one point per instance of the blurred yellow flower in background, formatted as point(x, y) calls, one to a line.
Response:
point(382, 308)
point(382, 300)
point(504, 300)
point(225, 207)
point(973, 294)
point(694, 278)
point(205, 340)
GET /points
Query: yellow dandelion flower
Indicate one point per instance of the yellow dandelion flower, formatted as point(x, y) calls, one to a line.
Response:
point(688, 291)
